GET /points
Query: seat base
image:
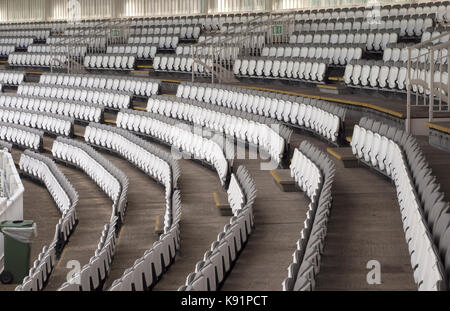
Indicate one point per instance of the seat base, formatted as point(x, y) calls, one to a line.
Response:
point(283, 180)
point(345, 155)
point(222, 204)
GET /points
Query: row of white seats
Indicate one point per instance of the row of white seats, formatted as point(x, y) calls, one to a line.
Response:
point(314, 173)
point(163, 42)
point(400, 53)
point(115, 184)
point(106, 180)
point(77, 110)
point(105, 136)
point(74, 50)
point(93, 274)
point(383, 150)
point(256, 41)
point(38, 34)
point(6, 49)
point(11, 77)
point(435, 32)
point(377, 74)
point(47, 122)
point(141, 51)
point(407, 25)
point(182, 31)
point(210, 273)
point(18, 42)
point(107, 98)
point(393, 76)
point(309, 69)
point(175, 63)
point(263, 135)
point(66, 199)
point(136, 85)
point(110, 61)
point(143, 156)
point(374, 40)
point(93, 42)
point(37, 59)
point(179, 138)
point(318, 116)
point(338, 53)
point(22, 136)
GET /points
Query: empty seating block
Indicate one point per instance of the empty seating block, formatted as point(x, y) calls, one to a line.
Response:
point(165, 130)
point(51, 123)
point(21, 136)
point(65, 197)
point(270, 137)
point(322, 118)
point(210, 273)
point(27, 59)
point(108, 98)
point(77, 110)
point(314, 174)
point(136, 85)
point(110, 61)
point(397, 155)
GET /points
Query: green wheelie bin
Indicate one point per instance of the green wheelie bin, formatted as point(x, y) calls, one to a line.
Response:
point(17, 237)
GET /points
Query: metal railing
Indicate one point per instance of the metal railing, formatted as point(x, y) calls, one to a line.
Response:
point(214, 58)
point(87, 40)
point(427, 81)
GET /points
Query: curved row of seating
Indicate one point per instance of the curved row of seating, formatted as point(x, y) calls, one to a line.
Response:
point(6, 49)
point(163, 42)
point(322, 118)
point(314, 173)
point(77, 110)
point(18, 42)
point(171, 132)
point(74, 50)
point(107, 98)
point(21, 136)
point(373, 40)
point(211, 272)
point(142, 51)
point(11, 77)
point(134, 149)
point(183, 31)
point(115, 185)
point(302, 69)
point(162, 167)
point(425, 213)
point(37, 59)
point(44, 170)
point(48, 122)
point(137, 85)
point(110, 61)
point(261, 132)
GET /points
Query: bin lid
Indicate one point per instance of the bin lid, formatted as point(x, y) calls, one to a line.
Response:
point(16, 224)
